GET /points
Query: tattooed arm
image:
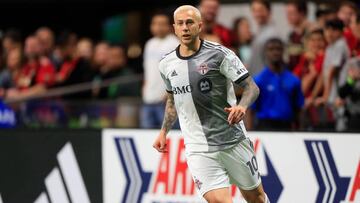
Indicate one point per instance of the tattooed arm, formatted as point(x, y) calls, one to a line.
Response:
point(170, 114)
point(249, 95)
point(250, 92)
point(169, 119)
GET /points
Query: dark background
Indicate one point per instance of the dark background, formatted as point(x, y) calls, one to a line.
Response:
point(83, 17)
point(28, 156)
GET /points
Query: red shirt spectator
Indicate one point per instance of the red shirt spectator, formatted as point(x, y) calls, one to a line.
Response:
point(35, 73)
point(352, 42)
point(224, 34)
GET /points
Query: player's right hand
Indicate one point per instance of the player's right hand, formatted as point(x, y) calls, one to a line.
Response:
point(160, 142)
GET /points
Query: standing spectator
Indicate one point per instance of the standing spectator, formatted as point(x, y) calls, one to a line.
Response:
point(212, 30)
point(336, 54)
point(347, 10)
point(308, 70)
point(352, 35)
point(347, 13)
point(349, 90)
point(261, 10)
point(281, 99)
point(296, 12)
point(153, 91)
point(242, 39)
point(310, 64)
point(324, 12)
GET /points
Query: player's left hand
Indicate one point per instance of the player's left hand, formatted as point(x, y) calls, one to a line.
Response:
point(236, 114)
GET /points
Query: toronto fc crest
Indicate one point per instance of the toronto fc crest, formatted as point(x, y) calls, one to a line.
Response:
point(203, 69)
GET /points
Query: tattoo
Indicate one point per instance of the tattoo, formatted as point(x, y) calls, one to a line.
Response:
point(170, 113)
point(250, 92)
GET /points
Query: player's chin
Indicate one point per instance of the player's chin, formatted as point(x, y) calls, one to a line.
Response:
point(186, 41)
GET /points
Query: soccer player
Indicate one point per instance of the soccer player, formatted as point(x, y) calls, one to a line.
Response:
point(199, 78)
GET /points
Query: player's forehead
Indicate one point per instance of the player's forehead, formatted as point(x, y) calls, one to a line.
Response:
point(186, 13)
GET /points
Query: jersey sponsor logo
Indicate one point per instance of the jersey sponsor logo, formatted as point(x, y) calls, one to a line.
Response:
point(182, 90)
point(205, 85)
point(203, 69)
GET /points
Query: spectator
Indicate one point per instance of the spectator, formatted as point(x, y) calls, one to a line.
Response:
point(336, 55)
point(310, 65)
point(261, 10)
point(349, 90)
point(242, 39)
point(212, 30)
point(73, 66)
point(84, 49)
point(308, 70)
point(14, 62)
point(296, 12)
point(101, 52)
point(281, 99)
point(11, 40)
point(153, 91)
point(352, 35)
point(35, 76)
point(346, 12)
point(324, 13)
point(47, 39)
point(116, 66)
point(64, 53)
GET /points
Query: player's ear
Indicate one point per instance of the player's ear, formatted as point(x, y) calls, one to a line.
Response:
point(200, 26)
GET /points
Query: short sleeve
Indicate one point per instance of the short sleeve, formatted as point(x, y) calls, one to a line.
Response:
point(164, 78)
point(339, 56)
point(233, 68)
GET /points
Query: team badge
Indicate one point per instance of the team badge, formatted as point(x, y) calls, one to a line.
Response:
point(205, 85)
point(203, 69)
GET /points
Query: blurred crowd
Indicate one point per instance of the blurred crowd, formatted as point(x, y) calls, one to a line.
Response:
point(308, 81)
point(42, 61)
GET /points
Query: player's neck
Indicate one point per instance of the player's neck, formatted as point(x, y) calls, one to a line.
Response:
point(189, 49)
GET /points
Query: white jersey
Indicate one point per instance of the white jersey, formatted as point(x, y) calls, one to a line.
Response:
point(202, 85)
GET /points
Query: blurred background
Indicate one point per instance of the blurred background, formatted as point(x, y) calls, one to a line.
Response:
point(93, 64)
point(70, 70)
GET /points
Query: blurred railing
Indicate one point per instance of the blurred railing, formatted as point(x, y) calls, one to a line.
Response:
point(50, 109)
point(60, 113)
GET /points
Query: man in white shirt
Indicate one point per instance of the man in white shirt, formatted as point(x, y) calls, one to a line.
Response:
point(153, 92)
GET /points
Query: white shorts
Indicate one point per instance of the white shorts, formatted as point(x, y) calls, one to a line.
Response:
point(220, 169)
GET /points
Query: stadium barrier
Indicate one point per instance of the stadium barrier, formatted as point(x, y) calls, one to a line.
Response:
point(120, 165)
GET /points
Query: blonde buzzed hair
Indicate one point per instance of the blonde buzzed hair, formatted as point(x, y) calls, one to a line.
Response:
point(186, 8)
